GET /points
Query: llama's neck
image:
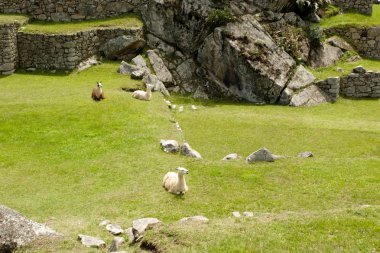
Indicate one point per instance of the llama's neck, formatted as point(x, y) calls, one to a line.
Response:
point(99, 91)
point(181, 185)
point(148, 93)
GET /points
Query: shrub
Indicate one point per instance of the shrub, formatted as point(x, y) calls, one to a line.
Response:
point(316, 35)
point(219, 17)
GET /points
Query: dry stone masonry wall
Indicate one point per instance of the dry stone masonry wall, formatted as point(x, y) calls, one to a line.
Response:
point(68, 10)
point(65, 51)
point(361, 85)
point(362, 6)
point(366, 40)
point(8, 48)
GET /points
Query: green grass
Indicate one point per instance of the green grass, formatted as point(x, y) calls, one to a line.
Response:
point(126, 21)
point(353, 19)
point(70, 162)
point(11, 18)
point(347, 67)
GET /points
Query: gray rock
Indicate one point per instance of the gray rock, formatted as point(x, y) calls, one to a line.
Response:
point(104, 223)
point(198, 218)
point(248, 214)
point(186, 150)
point(127, 69)
point(336, 41)
point(262, 154)
point(200, 93)
point(324, 56)
point(141, 225)
point(359, 70)
point(17, 231)
point(305, 154)
point(138, 74)
point(313, 17)
point(301, 79)
point(162, 72)
point(236, 214)
point(170, 146)
point(139, 61)
point(114, 229)
point(116, 243)
point(232, 156)
point(87, 63)
point(243, 62)
point(122, 48)
point(333, 81)
point(129, 233)
point(152, 80)
point(91, 242)
point(310, 96)
point(181, 109)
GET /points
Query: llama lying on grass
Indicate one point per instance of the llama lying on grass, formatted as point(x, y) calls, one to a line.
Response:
point(175, 182)
point(143, 95)
point(97, 93)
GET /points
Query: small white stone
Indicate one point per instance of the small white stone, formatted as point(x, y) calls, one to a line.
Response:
point(236, 214)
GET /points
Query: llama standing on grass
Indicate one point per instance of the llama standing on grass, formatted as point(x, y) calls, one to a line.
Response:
point(143, 95)
point(97, 93)
point(175, 182)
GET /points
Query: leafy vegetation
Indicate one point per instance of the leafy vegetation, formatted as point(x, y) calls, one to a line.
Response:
point(70, 162)
point(219, 17)
point(126, 21)
point(353, 19)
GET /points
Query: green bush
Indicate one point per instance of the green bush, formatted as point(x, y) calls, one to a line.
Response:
point(316, 35)
point(219, 17)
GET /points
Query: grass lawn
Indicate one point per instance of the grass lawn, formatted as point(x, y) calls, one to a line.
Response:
point(125, 21)
point(70, 162)
point(12, 18)
point(347, 67)
point(354, 19)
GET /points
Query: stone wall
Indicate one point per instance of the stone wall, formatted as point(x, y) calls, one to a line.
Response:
point(8, 48)
point(330, 86)
point(361, 6)
point(65, 51)
point(366, 40)
point(361, 85)
point(68, 10)
point(12, 6)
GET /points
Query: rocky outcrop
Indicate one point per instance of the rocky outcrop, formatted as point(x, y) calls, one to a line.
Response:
point(122, 47)
point(17, 231)
point(324, 56)
point(242, 61)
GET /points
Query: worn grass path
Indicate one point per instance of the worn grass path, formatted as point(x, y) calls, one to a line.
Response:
point(70, 162)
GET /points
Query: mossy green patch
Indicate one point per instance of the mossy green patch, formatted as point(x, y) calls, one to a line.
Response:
point(10, 18)
point(353, 19)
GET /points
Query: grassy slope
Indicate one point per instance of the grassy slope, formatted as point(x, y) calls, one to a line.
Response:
point(11, 18)
point(355, 19)
point(323, 73)
point(70, 162)
point(126, 21)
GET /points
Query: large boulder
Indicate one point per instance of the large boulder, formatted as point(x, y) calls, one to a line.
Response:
point(243, 62)
point(122, 47)
point(17, 231)
point(324, 56)
point(310, 96)
point(159, 67)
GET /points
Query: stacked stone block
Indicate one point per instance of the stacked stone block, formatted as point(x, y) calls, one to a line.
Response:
point(361, 6)
point(361, 85)
point(64, 51)
point(330, 86)
point(69, 10)
point(12, 6)
point(366, 40)
point(8, 48)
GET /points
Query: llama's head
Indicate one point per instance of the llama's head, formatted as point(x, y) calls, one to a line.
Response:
point(99, 84)
point(182, 170)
